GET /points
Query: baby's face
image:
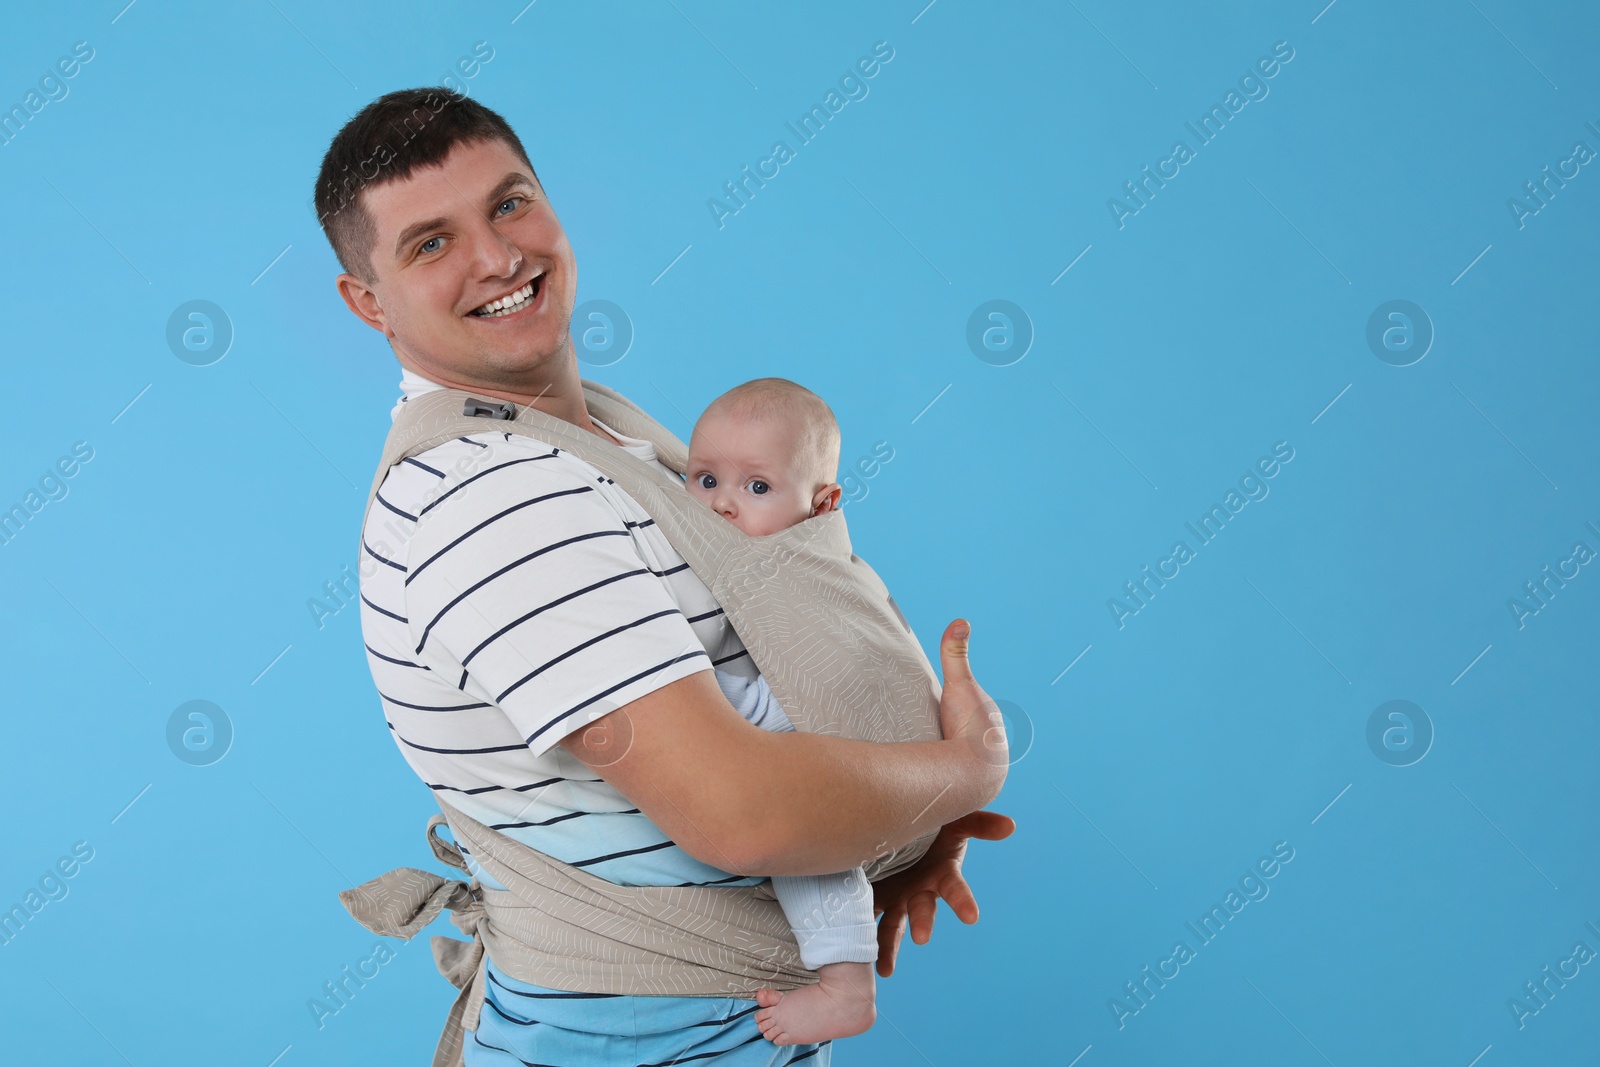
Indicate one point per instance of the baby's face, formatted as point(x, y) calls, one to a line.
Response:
point(749, 472)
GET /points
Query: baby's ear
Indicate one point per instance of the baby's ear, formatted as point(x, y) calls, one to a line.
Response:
point(826, 499)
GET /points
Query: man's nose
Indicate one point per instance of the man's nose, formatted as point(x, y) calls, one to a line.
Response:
point(498, 256)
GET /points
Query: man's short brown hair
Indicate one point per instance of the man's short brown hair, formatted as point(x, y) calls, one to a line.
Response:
point(388, 139)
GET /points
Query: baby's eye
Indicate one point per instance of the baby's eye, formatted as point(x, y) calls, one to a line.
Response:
point(707, 481)
point(758, 487)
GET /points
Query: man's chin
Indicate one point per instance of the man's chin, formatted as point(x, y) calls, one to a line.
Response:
point(522, 355)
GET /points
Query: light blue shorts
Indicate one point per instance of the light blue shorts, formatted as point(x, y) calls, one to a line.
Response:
point(528, 1024)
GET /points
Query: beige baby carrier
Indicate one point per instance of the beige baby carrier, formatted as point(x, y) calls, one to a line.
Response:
point(825, 634)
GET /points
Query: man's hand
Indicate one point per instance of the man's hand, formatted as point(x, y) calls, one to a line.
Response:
point(966, 712)
point(915, 891)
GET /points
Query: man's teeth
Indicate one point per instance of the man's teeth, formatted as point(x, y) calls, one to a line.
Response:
point(507, 305)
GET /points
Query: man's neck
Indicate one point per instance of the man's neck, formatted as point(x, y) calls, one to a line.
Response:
point(561, 396)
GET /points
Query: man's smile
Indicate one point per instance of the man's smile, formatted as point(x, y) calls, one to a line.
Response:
point(524, 298)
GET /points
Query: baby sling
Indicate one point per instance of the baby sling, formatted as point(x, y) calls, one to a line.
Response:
point(827, 637)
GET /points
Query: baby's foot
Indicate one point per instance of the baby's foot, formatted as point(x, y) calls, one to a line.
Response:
point(840, 1005)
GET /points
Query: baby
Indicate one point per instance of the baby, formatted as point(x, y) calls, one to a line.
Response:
point(764, 456)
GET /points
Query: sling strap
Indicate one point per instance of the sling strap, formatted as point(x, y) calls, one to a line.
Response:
point(824, 632)
point(564, 928)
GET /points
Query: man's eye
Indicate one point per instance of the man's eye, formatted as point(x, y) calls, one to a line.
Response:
point(509, 200)
point(758, 487)
point(708, 481)
point(423, 247)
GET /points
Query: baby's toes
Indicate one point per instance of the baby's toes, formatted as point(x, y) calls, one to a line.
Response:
point(767, 997)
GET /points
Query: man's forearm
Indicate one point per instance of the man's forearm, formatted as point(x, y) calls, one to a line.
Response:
point(827, 804)
point(749, 800)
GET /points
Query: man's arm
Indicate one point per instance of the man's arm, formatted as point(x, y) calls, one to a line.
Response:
point(756, 802)
point(525, 588)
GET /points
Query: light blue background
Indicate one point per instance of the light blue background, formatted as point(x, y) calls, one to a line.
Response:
point(1222, 318)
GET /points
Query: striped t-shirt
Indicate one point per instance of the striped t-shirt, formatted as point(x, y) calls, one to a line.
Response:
point(511, 594)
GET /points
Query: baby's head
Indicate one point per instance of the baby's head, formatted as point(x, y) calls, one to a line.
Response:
point(764, 456)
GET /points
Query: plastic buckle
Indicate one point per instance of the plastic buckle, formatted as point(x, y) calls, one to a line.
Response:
point(487, 409)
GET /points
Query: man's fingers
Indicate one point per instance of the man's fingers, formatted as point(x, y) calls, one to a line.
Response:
point(958, 894)
point(890, 931)
point(985, 825)
point(903, 907)
point(924, 906)
point(953, 651)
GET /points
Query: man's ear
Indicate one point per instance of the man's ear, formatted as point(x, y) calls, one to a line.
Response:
point(826, 499)
point(362, 301)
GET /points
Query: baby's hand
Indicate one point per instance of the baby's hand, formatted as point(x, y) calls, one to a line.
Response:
point(965, 710)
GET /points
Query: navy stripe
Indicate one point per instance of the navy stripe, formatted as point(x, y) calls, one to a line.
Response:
point(543, 822)
point(399, 662)
point(707, 615)
point(719, 881)
point(482, 474)
point(437, 786)
point(491, 520)
point(546, 607)
point(512, 1021)
point(625, 682)
point(671, 570)
point(573, 651)
point(394, 509)
point(379, 558)
point(470, 441)
point(553, 781)
point(625, 852)
point(380, 611)
point(452, 751)
point(432, 707)
point(424, 466)
point(577, 814)
point(728, 659)
point(513, 565)
point(513, 789)
point(735, 1017)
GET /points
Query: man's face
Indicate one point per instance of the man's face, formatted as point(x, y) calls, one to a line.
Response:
point(452, 239)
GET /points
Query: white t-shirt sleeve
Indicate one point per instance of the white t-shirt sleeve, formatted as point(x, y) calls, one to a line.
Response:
point(526, 588)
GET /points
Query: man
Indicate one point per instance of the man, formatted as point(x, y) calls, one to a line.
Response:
point(544, 656)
